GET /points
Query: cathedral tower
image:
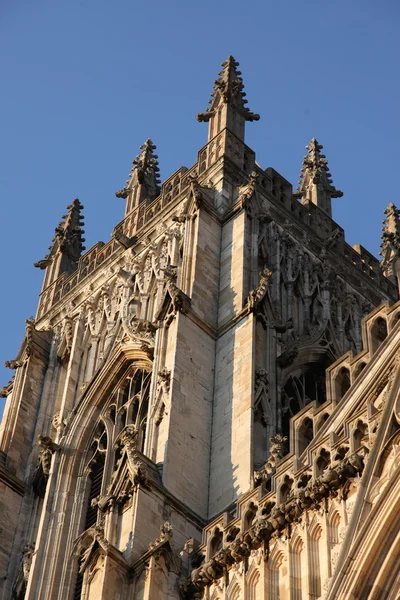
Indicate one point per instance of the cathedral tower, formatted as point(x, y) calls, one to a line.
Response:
point(160, 365)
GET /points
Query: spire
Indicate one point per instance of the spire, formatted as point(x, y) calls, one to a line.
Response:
point(67, 243)
point(228, 103)
point(144, 179)
point(390, 246)
point(315, 183)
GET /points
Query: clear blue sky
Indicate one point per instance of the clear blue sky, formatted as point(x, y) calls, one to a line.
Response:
point(84, 83)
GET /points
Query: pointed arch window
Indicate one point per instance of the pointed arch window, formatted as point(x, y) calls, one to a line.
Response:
point(124, 416)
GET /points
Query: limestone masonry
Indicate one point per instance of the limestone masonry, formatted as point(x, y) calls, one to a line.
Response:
point(208, 405)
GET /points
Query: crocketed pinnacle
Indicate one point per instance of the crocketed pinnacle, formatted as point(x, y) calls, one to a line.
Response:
point(390, 246)
point(315, 183)
point(228, 88)
point(68, 239)
point(145, 171)
point(315, 170)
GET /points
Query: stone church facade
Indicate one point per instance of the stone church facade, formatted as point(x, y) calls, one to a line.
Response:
point(207, 406)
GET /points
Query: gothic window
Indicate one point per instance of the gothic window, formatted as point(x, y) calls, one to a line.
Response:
point(274, 576)
point(301, 388)
point(334, 523)
point(359, 368)
point(315, 569)
point(249, 516)
point(285, 489)
point(378, 333)
point(342, 383)
point(216, 542)
point(296, 548)
point(323, 461)
point(305, 434)
point(128, 405)
point(255, 585)
point(322, 420)
point(360, 435)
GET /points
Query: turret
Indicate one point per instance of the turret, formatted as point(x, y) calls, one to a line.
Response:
point(67, 245)
point(228, 103)
point(144, 181)
point(315, 183)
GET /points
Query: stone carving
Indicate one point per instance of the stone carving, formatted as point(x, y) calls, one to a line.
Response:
point(13, 364)
point(277, 449)
point(137, 470)
point(265, 526)
point(195, 189)
point(166, 533)
point(86, 544)
point(246, 192)
point(164, 380)
point(65, 345)
point(21, 580)
point(257, 295)
point(7, 389)
point(47, 449)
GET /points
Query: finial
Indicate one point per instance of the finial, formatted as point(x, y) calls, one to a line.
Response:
point(228, 103)
point(145, 174)
point(315, 180)
point(68, 239)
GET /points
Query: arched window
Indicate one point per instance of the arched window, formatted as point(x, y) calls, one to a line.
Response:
point(379, 333)
point(323, 461)
point(342, 383)
point(334, 523)
point(315, 568)
point(360, 435)
point(302, 387)
point(285, 489)
point(126, 405)
point(274, 576)
point(255, 586)
point(322, 420)
point(249, 516)
point(296, 548)
point(305, 434)
point(216, 542)
point(359, 368)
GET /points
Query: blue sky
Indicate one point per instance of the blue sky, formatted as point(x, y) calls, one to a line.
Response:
point(84, 83)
